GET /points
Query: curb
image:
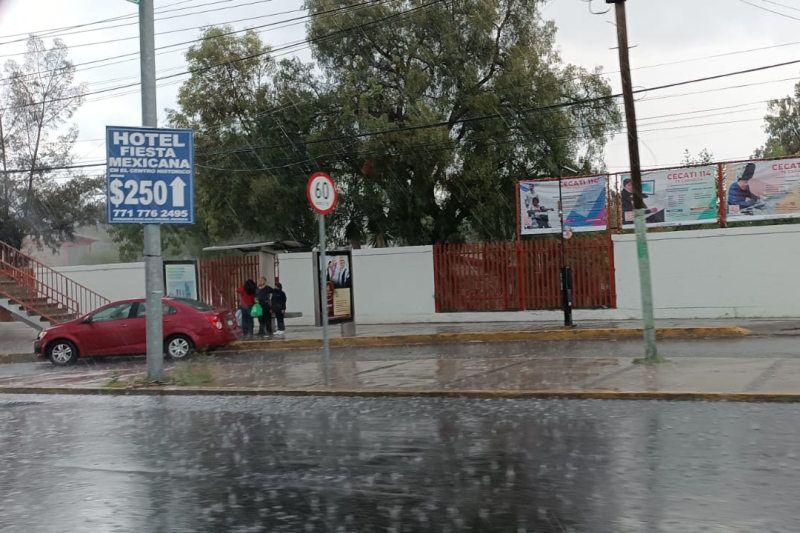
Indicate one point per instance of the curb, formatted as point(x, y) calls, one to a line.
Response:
point(491, 336)
point(17, 358)
point(418, 339)
point(752, 397)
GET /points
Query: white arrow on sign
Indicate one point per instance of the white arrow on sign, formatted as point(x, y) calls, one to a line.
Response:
point(178, 185)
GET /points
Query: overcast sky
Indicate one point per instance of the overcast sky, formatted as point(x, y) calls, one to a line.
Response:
point(684, 32)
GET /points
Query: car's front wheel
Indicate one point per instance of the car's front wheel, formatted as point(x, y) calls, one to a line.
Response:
point(178, 347)
point(62, 353)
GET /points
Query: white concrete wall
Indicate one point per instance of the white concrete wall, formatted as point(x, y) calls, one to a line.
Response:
point(393, 285)
point(116, 281)
point(733, 272)
point(296, 272)
point(390, 285)
point(714, 273)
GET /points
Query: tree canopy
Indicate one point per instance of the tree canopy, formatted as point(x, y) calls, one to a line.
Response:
point(39, 97)
point(426, 114)
point(782, 125)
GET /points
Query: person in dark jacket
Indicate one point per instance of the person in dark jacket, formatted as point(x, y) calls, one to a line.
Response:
point(739, 193)
point(626, 199)
point(263, 296)
point(279, 307)
point(247, 298)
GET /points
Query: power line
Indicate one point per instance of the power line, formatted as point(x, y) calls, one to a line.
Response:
point(769, 10)
point(164, 48)
point(439, 143)
point(560, 105)
point(136, 22)
point(191, 28)
point(781, 5)
point(248, 57)
point(85, 24)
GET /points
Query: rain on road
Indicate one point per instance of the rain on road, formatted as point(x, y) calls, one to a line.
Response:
point(78, 463)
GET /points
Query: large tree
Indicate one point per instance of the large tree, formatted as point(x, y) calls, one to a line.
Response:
point(488, 72)
point(250, 176)
point(782, 127)
point(39, 97)
point(425, 114)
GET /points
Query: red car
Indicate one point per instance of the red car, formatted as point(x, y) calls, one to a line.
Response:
point(119, 329)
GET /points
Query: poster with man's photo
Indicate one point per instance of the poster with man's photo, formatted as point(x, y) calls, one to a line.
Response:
point(762, 190)
point(585, 205)
point(673, 197)
point(339, 286)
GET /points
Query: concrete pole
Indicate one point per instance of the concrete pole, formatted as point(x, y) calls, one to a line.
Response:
point(648, 322)
point(154, 282)
point(323, 291)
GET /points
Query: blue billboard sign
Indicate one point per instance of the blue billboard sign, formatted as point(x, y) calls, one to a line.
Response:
point(150, 175)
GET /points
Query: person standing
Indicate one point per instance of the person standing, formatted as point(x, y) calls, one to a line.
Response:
point(263, 295)
point(247, 298)
point(279, 307)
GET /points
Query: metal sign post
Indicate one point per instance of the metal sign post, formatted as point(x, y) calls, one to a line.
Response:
point(149, 176)
point(322, 195)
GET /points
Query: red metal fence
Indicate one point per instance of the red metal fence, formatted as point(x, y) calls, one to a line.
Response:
point(221, 276)
point(523, 275)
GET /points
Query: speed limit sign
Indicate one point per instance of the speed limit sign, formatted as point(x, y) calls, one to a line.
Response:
point(321, 193)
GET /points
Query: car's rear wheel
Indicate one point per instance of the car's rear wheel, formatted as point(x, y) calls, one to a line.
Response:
point(178, 347)
point(62, 353)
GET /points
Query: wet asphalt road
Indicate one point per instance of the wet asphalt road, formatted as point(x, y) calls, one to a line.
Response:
point(72, 463)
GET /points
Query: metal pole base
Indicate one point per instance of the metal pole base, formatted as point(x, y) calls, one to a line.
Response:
point(348, 329)
point(566, 296)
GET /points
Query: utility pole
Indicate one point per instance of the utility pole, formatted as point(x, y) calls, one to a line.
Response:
point(648, 321)
point(154, 283)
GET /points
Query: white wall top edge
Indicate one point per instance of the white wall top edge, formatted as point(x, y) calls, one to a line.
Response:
point(711, 233)
point(101, 267)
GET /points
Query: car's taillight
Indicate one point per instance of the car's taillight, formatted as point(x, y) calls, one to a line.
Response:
point(215, 321)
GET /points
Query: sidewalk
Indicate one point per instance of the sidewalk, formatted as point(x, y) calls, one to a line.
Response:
point(510, 369)
point(16, 339)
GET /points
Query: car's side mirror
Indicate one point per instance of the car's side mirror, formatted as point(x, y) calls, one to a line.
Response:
point(87, 319)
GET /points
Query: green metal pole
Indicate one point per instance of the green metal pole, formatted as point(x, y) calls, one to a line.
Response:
point(648, 322)
point(643, 256)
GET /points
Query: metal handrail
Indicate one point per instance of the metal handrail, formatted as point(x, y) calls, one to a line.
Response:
point(28, 283)
point(51, 284)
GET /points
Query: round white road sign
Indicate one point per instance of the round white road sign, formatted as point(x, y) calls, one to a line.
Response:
point(321, 192)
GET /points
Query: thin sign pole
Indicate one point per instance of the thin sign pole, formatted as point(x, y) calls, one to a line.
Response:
point(323, 291)
point(154, 282)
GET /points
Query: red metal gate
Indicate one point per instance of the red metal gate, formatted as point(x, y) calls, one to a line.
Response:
point(523, 275)
point(221, 276)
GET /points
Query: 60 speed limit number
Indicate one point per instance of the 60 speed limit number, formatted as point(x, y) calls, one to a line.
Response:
point(321, 192)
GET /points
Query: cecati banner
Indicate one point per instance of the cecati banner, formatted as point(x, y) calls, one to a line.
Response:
point(762, 190)
point(585, 205)
point(674, 197)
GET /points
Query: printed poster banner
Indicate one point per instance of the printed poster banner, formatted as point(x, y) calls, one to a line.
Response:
point(674, 197)
point(180, 279)
point(585, 205)
point(762, 190)
point(339, 287)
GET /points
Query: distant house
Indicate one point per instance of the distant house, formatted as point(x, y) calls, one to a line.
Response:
point(90, 246)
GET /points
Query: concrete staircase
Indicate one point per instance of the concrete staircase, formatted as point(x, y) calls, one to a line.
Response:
point(39, 296)
point(36, 311)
